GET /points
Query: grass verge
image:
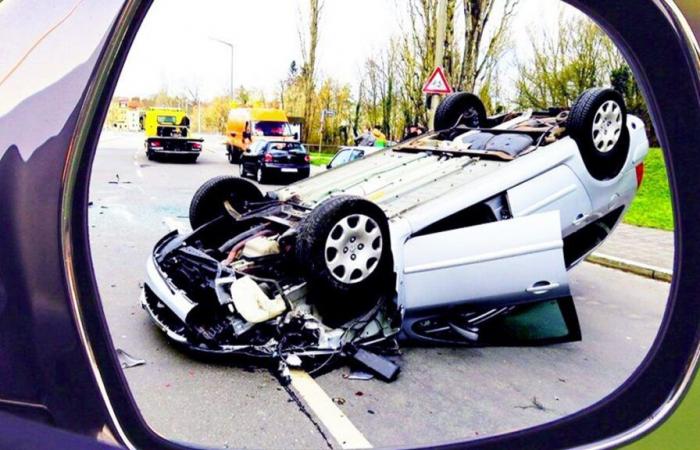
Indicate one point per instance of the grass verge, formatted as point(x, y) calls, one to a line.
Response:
point(321, 159)
point(652, 207)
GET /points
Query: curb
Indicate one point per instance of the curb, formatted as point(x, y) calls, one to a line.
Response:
point(644, 270)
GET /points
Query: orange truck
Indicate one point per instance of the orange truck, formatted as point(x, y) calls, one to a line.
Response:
point(247, 125)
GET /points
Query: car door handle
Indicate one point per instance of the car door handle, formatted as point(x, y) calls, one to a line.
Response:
point(542, 288)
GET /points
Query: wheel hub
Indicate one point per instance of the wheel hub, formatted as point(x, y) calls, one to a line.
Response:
point(353, 248)
point(607, 126)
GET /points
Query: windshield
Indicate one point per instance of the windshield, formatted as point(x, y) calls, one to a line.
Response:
point(166, 120)
point(291, 147)
point(274, 129)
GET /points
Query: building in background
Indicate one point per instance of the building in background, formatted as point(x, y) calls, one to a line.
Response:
point(124, 115)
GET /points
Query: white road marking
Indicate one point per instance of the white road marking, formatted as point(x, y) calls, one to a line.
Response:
point(337, 423)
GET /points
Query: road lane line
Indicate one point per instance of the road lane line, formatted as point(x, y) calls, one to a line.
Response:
point(337, 423)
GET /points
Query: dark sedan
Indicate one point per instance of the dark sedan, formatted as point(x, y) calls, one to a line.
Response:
point(275, 159)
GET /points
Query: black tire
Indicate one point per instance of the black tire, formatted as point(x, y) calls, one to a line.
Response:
point(462, 107)
point(583, 128)
point(229, 154)
point(150, 155)
point(234, 155)
point(209, 202)
point(192, 159)
point(241, 170)
point(344, 300)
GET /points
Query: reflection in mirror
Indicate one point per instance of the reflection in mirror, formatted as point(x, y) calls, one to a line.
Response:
point(507, 270)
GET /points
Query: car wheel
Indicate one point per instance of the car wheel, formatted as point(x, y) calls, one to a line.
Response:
point(460, 108)
point(150, 155)
point(193, 159)
point(260, 175)
point(598, 124)
point(234, 155)
point(229, 154)
point(343, 246)
point(241, 170)
point(217, 195)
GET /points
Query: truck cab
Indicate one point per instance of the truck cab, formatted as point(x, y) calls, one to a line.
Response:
point(248, 125)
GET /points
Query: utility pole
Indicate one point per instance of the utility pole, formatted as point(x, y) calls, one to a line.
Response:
point(230, 46)
point(440, 36)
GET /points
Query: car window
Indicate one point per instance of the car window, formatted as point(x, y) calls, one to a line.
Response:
point(357, 154)
point(257, 147)
point(276, 129)
point(291, 147)
point(343, 157)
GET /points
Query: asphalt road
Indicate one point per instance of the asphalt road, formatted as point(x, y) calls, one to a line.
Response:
point(442, 394)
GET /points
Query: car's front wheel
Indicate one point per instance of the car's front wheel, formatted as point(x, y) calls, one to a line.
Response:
point(220, 194)
point(344, 247)
point(234, 156)
point(598, 124)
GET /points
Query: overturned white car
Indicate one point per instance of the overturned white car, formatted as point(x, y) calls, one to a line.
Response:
point(437, 239)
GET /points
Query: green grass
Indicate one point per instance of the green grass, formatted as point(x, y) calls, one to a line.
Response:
point(652, 206)
point(321, 159)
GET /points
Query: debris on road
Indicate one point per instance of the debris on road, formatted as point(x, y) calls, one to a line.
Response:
point(127, 361)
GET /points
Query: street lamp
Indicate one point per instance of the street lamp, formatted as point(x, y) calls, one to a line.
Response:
point(230, 46)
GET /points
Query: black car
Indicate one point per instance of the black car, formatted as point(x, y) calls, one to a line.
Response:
point(268, 159)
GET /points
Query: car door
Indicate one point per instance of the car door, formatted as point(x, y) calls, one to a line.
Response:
point(509, 262)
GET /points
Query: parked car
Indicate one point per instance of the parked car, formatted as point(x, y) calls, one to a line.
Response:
point(266, 160)
point(349, 154)
point(433, 238)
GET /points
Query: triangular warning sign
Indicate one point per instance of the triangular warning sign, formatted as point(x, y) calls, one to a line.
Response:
point(437, 83)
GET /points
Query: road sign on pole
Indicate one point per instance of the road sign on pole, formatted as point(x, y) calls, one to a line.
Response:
point(437, 83)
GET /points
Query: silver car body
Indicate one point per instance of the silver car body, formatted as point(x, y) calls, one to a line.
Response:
point(550, 195)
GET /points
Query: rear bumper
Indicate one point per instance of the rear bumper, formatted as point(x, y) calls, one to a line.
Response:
point(287, 169)
point(175, 152)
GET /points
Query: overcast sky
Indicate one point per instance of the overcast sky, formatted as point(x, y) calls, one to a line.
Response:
point(174, 49)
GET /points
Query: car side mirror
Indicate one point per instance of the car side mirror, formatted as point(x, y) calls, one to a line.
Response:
point(296, 136)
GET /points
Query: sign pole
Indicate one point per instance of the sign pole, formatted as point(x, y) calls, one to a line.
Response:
point(439, 55)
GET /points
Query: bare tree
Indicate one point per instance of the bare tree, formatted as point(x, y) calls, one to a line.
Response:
point(309, 57)
point(479, 57)
point(564, 64)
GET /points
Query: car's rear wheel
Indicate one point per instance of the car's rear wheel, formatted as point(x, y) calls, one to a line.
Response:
point(241, 170)
point(220, 194)
point(344, 247)
point(598, 124)
point(460, 108)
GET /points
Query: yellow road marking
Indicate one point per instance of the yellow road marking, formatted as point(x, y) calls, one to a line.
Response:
point(337, 423)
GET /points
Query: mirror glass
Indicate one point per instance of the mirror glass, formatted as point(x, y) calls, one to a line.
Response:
point(505, 271)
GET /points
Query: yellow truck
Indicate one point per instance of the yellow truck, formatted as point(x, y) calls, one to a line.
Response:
point(168, 135)
point(247, 125)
